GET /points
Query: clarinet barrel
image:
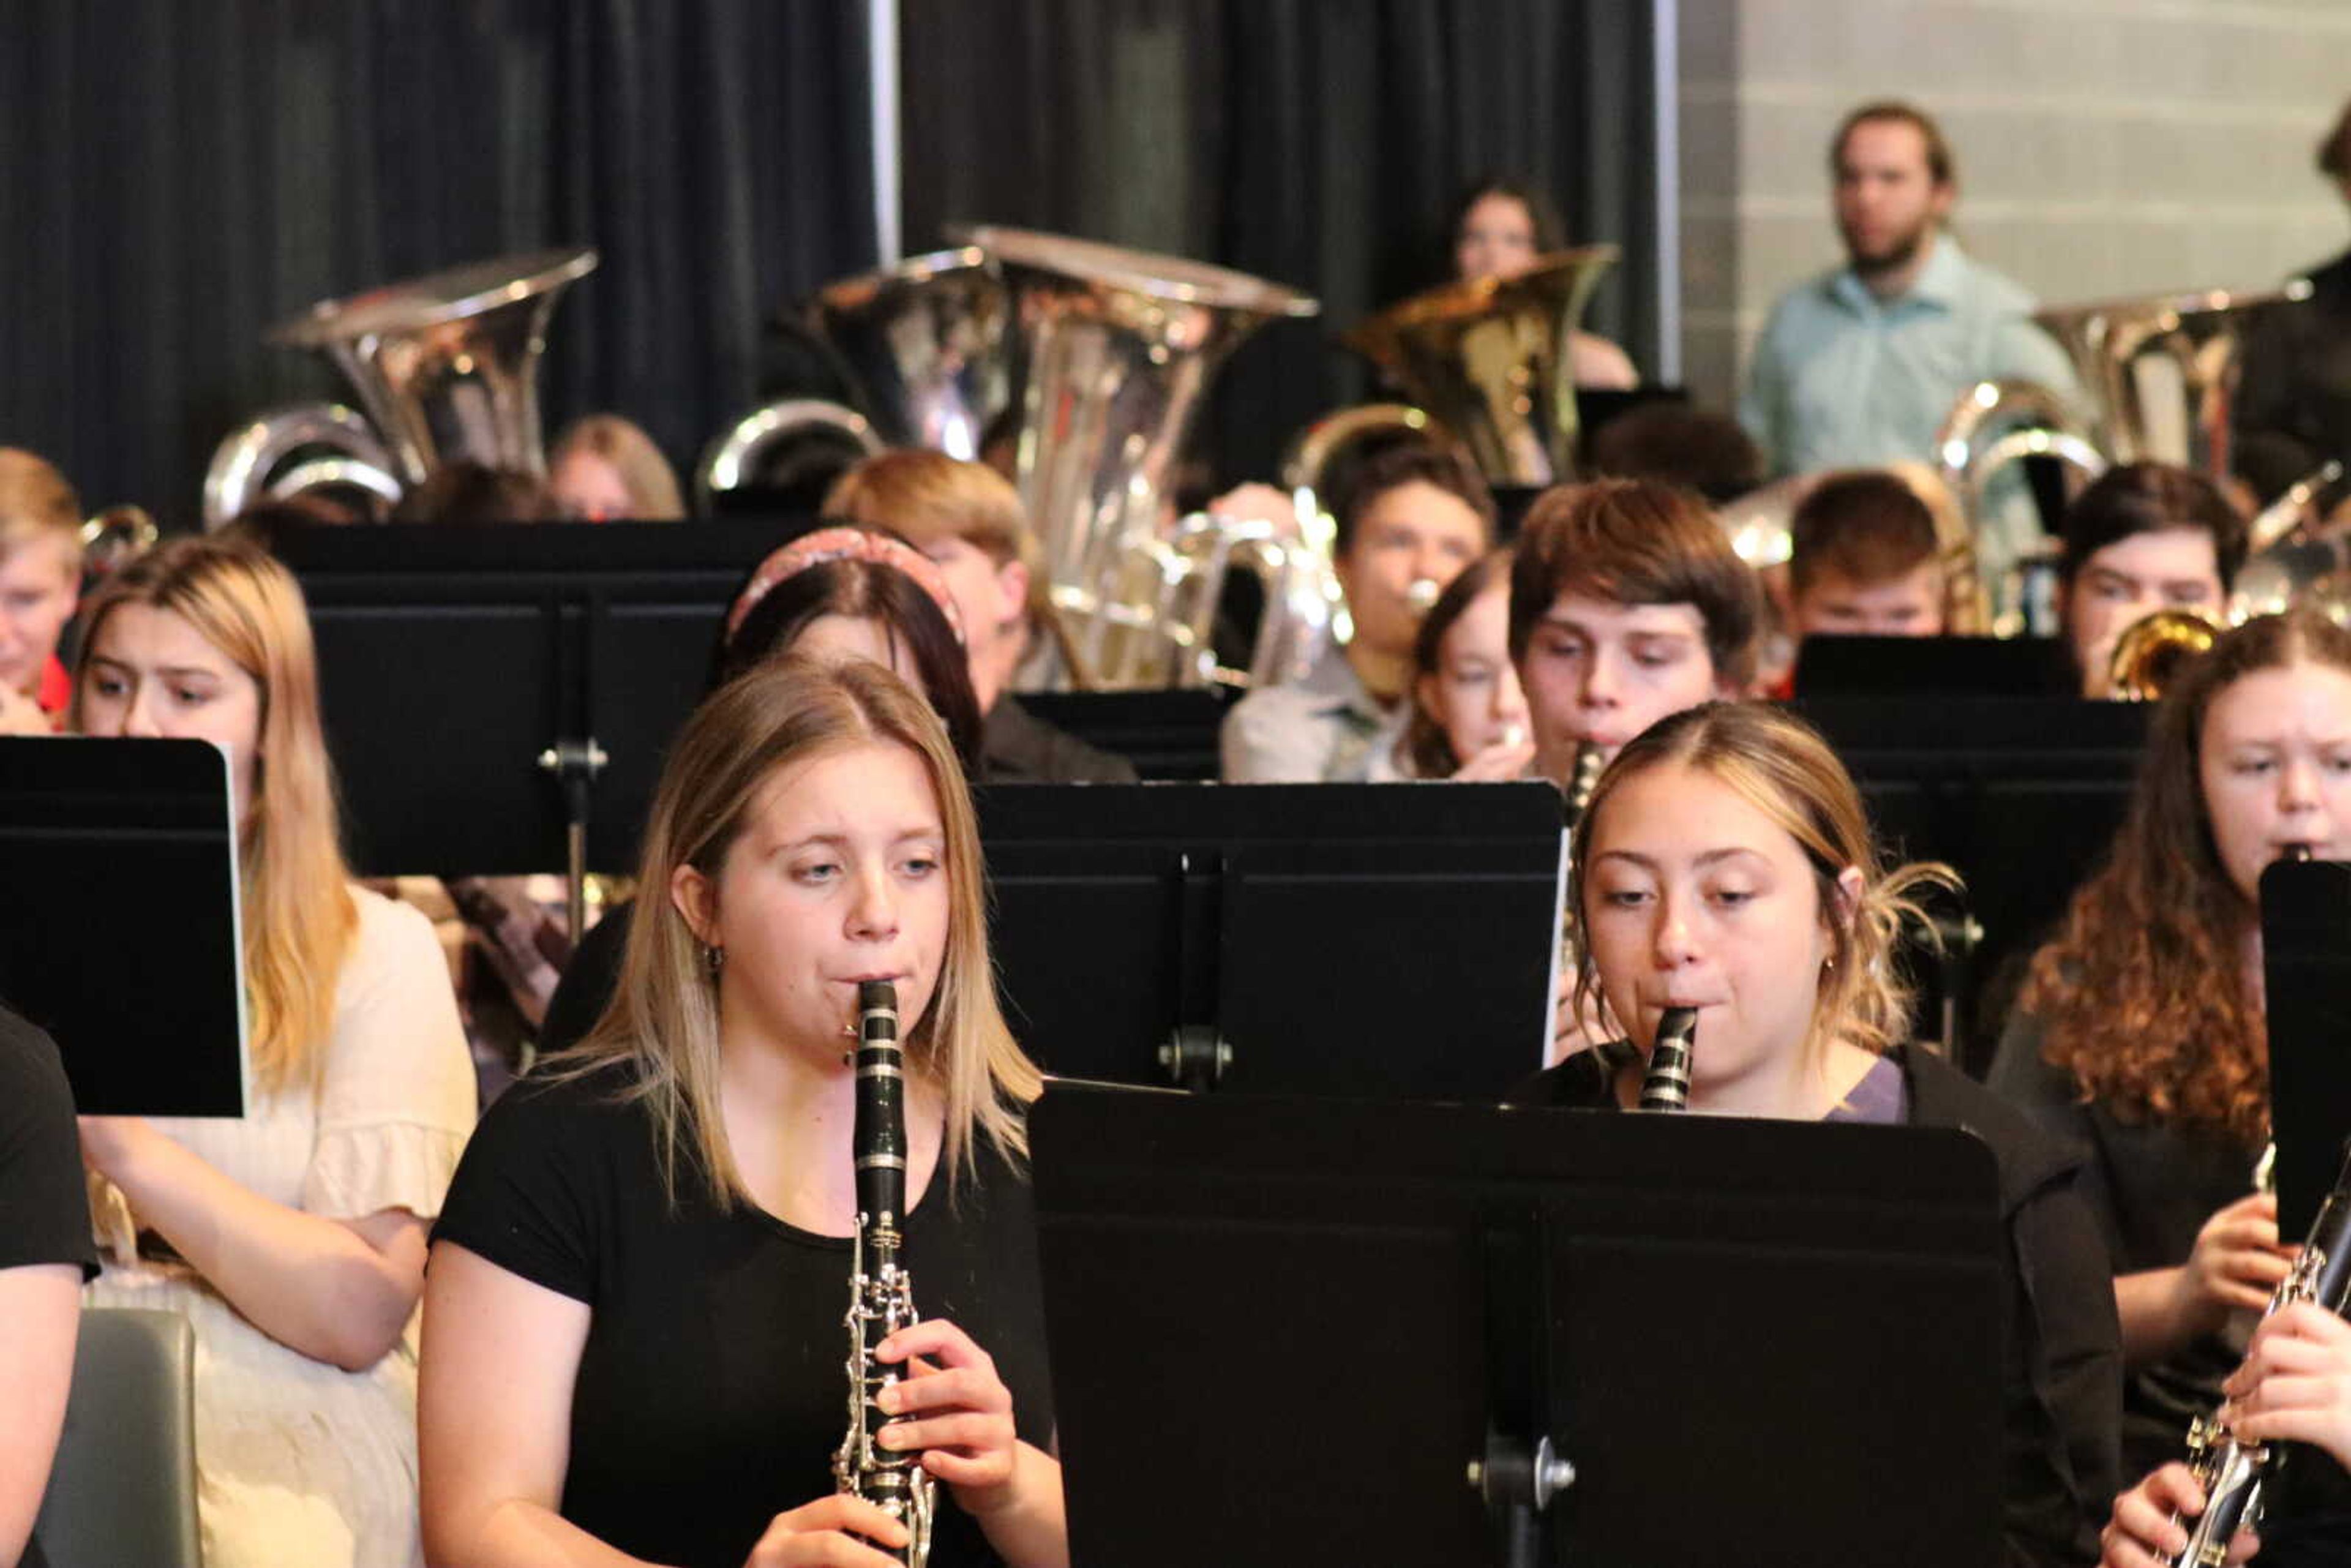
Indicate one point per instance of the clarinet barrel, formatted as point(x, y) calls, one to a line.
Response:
point(1667, 1085)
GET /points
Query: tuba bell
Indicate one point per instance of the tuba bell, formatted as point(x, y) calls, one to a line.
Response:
point(444, 367)
point(2152, 651)
point(1491, 358)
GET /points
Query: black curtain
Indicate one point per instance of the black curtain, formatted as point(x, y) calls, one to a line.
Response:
point(1318, 144)
point(177, 177)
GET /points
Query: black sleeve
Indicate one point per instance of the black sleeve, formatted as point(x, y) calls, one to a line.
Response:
point(2064, 1415)
point(525, 1195)
point(587, 983)
point(2271, 451)
point(43, 1206)
point(2045, 1093)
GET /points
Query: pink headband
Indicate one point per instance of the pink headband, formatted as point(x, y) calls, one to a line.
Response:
point(846, 544)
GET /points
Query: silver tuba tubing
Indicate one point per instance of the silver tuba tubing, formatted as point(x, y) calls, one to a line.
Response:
point(251, 464)
point(736, 455)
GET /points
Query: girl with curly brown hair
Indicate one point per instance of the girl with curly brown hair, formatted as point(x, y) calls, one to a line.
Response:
point(2139, 1032)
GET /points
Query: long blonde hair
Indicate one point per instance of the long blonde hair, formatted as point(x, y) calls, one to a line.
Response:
point(664, 1018)
point(645, 474)
point(1781, 765)
point(299, 918)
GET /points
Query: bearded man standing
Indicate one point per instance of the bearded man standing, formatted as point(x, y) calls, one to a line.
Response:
point(1859, 367)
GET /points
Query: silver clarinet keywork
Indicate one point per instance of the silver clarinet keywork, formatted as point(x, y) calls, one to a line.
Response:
point(881, 1296)
point(2235, 1474)
point(1583, 780)
point(1666, 1087)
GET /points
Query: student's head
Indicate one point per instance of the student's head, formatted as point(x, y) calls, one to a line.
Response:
point(1674, 444)
point(811, 828)
point(1465, 693)
point(2334, 152)
point(603, 467)
point(1627, 603)
point(207, 639)
point(1725, 864)
point(1415, 512)
point(967, 519)
point(40, 565)
point(1894, 181)
point(1500, 226)
point(469, 492)
point(2145, 994)
point(1866, 560)
point(843, 593)
point(2144, 536)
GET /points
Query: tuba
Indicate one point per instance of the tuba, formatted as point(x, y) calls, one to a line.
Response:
point(445, 367)
point(1119, 345)
point(1491, 358)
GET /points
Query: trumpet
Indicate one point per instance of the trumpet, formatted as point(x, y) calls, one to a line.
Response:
point(2152, 651)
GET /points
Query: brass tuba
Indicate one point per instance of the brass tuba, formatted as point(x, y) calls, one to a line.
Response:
point(1492, 359)
point(444, 367)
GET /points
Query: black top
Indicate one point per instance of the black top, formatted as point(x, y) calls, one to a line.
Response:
point(2294, 404)
point(44, 1208)
point(2151, 1187)
point(712, 1389)
point(2063, 1349)
point(1019, 747)
point(587, 983)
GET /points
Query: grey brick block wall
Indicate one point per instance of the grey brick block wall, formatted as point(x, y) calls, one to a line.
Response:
point(2106, 147)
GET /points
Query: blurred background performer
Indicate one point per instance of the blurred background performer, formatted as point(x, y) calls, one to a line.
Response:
point(292, 1239)
point(45, 1256)
point(1860, 366)
point(40, 581)
point(1500, 226)
point(967, 517)
point(2144, 536)
point(2293, 402)
point(2140, 1032)
point(1466, 718)
point(1414, 516)
point(634, 1338)
point(1866, 560)
point(1627, 603)
point(604, 468)
point(1725, 865)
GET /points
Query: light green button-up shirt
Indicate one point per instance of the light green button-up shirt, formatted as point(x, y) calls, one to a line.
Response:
point(1842, 379)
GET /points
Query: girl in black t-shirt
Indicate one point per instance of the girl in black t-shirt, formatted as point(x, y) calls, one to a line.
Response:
point(634, 1338)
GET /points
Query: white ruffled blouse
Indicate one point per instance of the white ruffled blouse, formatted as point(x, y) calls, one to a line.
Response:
point(299, 1462)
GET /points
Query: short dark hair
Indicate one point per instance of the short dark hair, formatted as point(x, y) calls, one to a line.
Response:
point(1678, 444)
point(2145, 498)
point(1413, 462)
point(1636, 542)
point(469, 492)
point(869, 589)
point(2335, 146)
point(1864, 526)
point(1893, 111)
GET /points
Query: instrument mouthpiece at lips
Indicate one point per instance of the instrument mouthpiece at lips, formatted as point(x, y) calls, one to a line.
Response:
point(2298, 852)
point(1422, 594)
point(877, 1010)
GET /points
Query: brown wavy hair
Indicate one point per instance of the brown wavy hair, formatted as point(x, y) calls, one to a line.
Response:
point(2143, 991)
point(1423, 750)
point(1782, 766)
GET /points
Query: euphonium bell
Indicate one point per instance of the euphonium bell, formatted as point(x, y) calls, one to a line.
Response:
point(445, 367)
point(1490, 357)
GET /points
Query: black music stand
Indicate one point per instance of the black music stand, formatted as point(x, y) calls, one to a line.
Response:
point(1285, 1331)
point(1319, 939)
point(2307, 965)
point(499, 697)
point(2021, 795)
point(1167, 735)
point(120, 935)
point(1829, 666)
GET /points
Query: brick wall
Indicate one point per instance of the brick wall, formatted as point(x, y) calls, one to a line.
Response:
point(2106, 147)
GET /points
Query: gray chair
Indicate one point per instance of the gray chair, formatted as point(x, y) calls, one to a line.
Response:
point(122, 1493)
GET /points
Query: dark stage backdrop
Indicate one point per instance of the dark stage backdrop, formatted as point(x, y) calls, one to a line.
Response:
point(1315, 142)
point(176, 177)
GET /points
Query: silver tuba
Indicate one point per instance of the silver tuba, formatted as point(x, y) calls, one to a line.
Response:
point(922, 344)
point(444, 367)
point(1119, 345)
point(1492, 359)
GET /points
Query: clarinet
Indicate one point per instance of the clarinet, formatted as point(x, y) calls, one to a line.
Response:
point(1582, 780)
point(2235, 1475)
point(881, 1296)
point(1667, 1085)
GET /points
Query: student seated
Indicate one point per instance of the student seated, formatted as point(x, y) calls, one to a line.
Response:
point(1466, 719)
point(293, 1238)
point(1725, 864)
point(1866, 561)
point(40, 581)
point(45, 1256)
point(1413, 517)
point(2139, 1035)
point(1627, 603)
point(604, 468)
point(633, 1339)
point(2146, 537)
